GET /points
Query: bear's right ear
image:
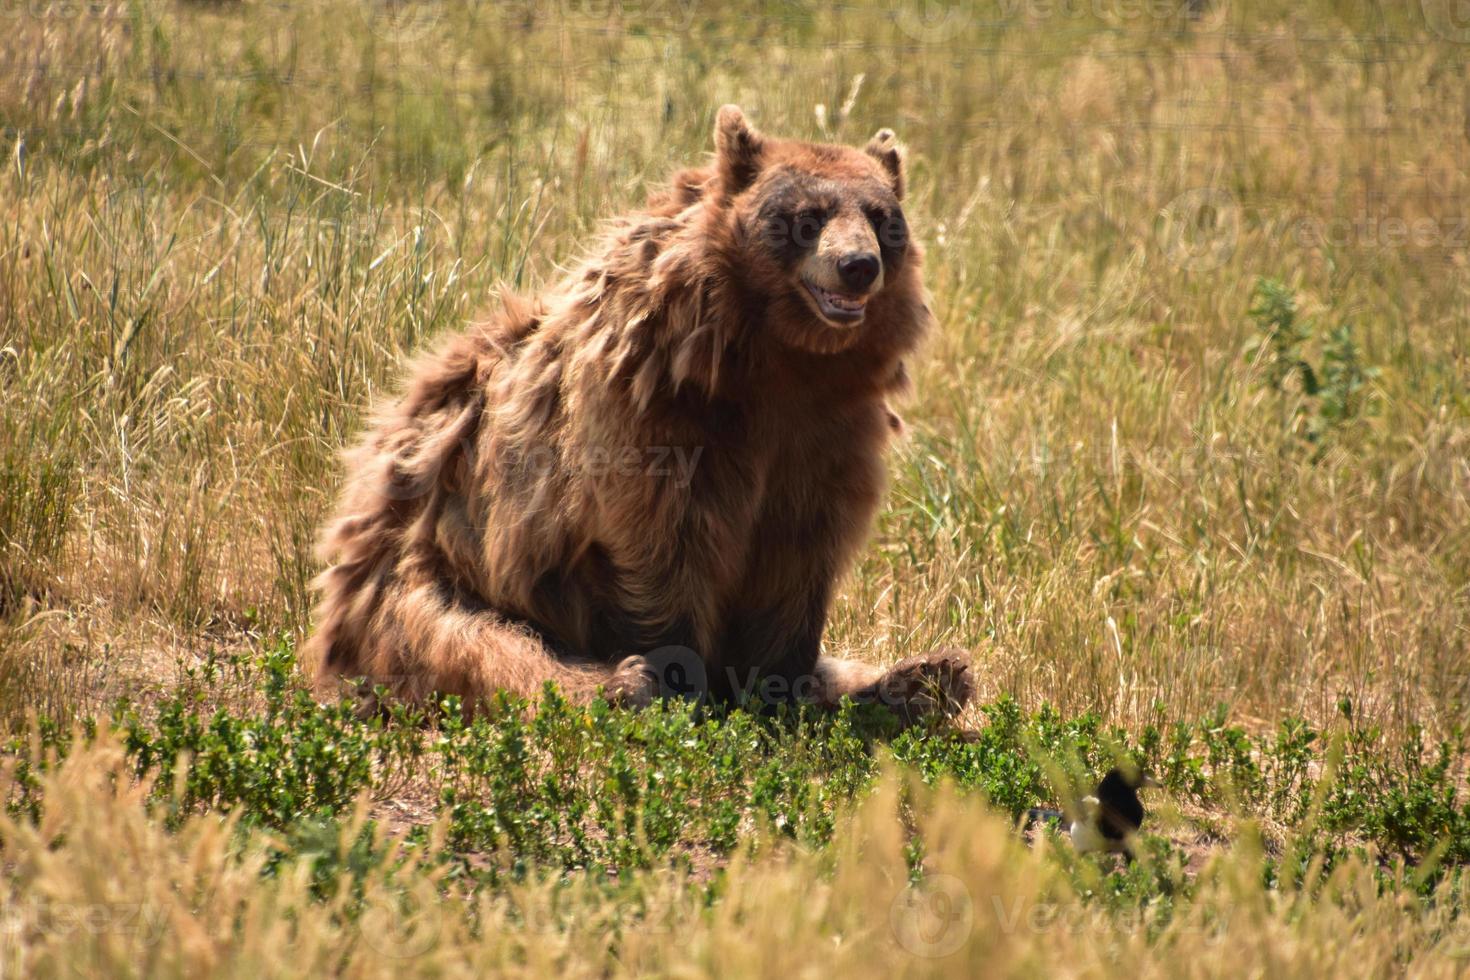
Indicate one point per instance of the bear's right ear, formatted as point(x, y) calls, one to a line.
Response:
point(883, 147)
point(738, 151)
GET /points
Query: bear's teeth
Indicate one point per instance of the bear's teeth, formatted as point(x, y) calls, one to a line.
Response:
point(843, 302)
point(837, 306)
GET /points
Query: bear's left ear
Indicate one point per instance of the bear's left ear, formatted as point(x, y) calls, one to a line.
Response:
point(883, 147)
point(738, 150)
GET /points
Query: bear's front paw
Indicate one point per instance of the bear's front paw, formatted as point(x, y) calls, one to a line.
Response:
point(633, 684)
point(933, 683)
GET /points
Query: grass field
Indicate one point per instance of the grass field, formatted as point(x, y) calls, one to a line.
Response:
point(1189, 472)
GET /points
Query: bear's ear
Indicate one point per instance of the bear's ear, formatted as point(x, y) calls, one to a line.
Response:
point(883, 147)
point(738, 150)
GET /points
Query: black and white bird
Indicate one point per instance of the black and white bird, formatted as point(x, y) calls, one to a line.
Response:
point(1108, 820)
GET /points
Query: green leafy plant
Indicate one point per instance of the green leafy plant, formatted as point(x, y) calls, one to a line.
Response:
point(591, 787)
point(1335, 391)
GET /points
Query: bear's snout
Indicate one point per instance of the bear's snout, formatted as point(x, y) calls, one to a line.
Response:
point(858, 270)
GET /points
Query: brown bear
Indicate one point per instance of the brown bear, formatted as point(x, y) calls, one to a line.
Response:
point(649, 480)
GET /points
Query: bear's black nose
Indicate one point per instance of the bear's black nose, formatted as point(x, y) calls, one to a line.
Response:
point(858, 270)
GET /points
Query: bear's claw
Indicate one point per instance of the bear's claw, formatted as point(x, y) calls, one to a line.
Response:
point(933, 683)
point(633, 684)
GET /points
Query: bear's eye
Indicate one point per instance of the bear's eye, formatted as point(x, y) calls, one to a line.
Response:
point(891, 229)
point(806, 227)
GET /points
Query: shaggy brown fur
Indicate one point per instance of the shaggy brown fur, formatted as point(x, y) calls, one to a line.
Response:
point(661, 468)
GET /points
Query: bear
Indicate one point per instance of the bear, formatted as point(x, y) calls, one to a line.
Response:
point(649, 480)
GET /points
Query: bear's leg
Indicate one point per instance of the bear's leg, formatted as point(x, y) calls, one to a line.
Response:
point(838, 677)
point(419, 644)
point(937, 682)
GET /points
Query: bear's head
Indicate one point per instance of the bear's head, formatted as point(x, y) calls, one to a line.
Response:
point(819, 239)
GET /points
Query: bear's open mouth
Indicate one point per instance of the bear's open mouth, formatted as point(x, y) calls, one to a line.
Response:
point(837, 307)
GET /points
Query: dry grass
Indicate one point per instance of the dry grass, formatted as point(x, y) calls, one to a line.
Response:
point(194, 903)
point(226, 223)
